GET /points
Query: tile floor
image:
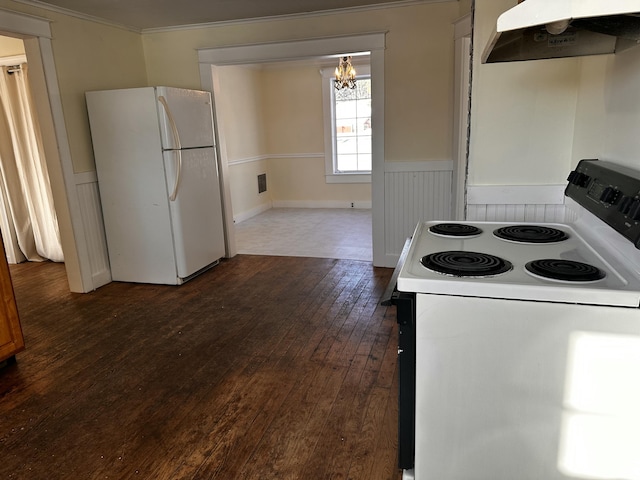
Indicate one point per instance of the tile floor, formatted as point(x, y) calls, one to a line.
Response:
point(308, 232)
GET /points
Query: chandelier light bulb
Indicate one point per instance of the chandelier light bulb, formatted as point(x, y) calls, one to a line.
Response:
point(345, 74)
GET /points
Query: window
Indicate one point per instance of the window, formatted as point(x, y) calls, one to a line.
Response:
point(353, 128)
point(348, 129)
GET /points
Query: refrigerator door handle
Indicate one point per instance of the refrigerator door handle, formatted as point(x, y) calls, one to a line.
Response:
point(172, 122)
point(176, 184)
point(176, 138)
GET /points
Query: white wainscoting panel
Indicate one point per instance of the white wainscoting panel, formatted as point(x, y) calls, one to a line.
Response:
point(516, 213)
point(526, 203)
point(414, 192)
point(91, 211)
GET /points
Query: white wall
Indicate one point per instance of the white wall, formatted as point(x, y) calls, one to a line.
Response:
point(619, 135)
point(533, 121)
point(589, 137)
point(522, 114)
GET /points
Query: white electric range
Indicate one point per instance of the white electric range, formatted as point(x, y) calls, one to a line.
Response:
point(520, 343)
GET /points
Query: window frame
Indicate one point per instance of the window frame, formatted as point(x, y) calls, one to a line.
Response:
point(328, 103)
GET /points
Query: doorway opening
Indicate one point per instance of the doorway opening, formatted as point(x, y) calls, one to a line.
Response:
point(213, 59)
point(284, 200)
point(36, 34)
point(28, 219)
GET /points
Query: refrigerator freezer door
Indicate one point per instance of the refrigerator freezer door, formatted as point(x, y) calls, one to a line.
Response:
point(192, 116)
point(196, 212)
point(126, 142)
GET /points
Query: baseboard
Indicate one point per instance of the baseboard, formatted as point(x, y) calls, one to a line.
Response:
point(101, 278)
point(321, 204)
point(241, 217)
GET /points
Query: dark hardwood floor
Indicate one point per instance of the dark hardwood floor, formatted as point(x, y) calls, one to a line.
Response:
point(261, 368)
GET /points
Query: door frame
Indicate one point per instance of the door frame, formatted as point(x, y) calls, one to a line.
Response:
point(461, 114)
point(211, 58)
point(36, 34)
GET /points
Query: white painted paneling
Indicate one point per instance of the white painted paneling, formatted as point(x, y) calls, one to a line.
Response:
point(516, 194)
point(91, 213)
point(516, 213)
point(516, 203)
point(411, 197)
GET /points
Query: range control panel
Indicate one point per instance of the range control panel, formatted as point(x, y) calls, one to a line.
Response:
point(611, 192)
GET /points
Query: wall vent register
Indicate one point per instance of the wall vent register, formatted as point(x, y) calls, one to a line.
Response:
point(262, 183)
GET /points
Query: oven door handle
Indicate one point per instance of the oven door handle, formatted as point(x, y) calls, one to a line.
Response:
point(390, 295)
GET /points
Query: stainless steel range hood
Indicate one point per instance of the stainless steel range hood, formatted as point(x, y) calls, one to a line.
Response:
point(540, 29)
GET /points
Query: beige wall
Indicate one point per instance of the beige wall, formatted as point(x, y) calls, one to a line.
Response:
point(293, 109)
point(418, 65)
point(418, 93)
point(241, 118)
point(299, 180)
point(272, 121)
point(88, 56)
point(11, 46)
point(241, 108)
point(245, 199)
point(523, 113)
point(92, 56)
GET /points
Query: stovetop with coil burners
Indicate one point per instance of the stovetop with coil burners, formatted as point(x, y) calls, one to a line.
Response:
point(483, 264)
point(464, 263)
point(593, 260)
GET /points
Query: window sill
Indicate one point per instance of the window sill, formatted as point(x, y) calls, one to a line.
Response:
point(348, 178)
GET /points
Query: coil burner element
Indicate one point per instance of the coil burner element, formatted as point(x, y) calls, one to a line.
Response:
point(564, 270)
point(466, 264)
point(455, 230)
point(530, 234)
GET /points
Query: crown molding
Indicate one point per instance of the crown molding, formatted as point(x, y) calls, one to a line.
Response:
point(76, 14)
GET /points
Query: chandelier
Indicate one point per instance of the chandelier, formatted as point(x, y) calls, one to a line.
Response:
point(345, 74)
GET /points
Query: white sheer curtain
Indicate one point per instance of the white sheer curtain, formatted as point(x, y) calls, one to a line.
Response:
point(27, 214)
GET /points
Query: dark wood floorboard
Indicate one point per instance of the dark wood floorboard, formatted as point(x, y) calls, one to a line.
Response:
point(261, 368)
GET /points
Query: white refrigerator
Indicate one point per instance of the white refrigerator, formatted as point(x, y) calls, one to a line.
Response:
point(158, 180)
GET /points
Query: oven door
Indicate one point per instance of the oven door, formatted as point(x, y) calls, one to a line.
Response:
point(405, 303)
point(406, 317)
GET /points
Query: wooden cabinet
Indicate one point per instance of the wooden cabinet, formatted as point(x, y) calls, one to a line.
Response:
point(11, 340)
